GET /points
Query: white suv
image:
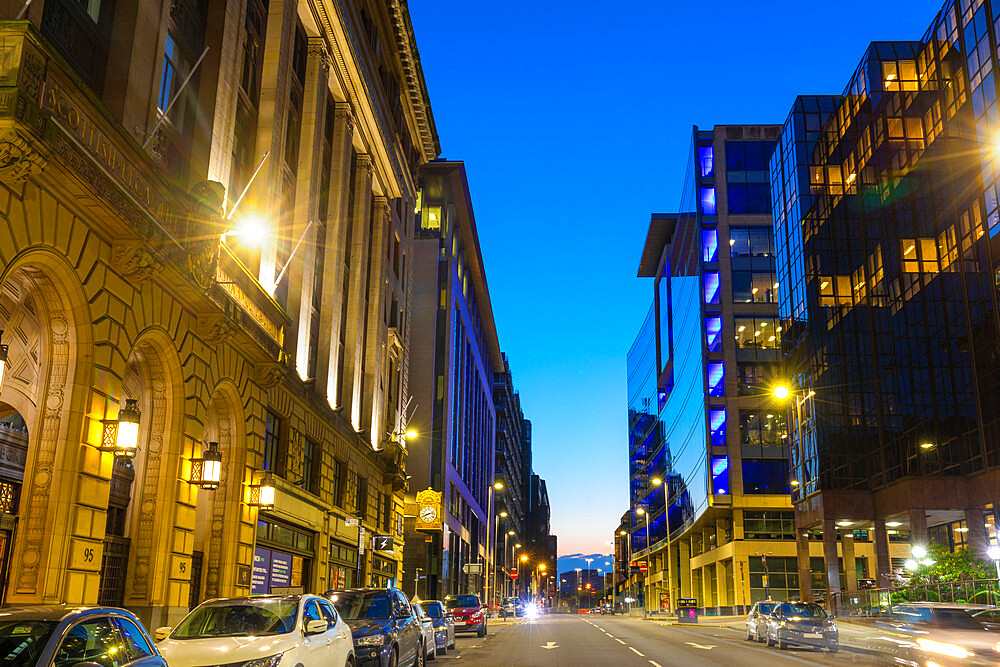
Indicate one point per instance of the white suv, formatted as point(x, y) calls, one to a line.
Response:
point(260, 631)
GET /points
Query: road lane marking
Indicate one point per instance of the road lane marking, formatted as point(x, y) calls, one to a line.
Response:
point(636, 652)
point(550, 645)
point(743, 645)
point(707, 647)
point(655, 664)
point(619, 641)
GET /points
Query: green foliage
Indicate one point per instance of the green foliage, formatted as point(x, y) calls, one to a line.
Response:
point(960, 565)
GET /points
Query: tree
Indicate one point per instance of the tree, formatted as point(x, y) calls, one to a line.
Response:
point(948, 566)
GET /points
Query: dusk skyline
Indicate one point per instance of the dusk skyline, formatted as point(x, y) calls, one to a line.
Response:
point(575, 126)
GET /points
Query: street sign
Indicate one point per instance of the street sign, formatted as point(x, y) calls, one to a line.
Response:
point(361, 540)
point(644, 567)
point(382, 543)
point(472, 568)
point(352, 521)
point(513, 574)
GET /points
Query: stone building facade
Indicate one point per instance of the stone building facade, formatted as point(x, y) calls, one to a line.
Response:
point(129, 141)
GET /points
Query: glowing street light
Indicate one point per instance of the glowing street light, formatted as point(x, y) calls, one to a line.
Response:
point(121, 436)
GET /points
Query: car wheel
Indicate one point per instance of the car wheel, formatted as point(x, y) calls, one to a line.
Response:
point(482, 630)
point(768, 640)
point(782, 644)
point(421, 656)
point(834, 648)
point(434, 651)
point(444, 649)
point(749, 636)
point(394, 657)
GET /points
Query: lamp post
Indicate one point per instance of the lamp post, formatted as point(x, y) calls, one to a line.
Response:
point(590, 579)
point(516, 565)
point(491, 544)
point(782, 392)
point(522, 559)
point(505, 536)
point(645, 588)
point(579, 587)
point(496, 537)
point(993, 553)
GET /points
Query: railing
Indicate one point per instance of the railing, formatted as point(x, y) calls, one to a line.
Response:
point(875, 601)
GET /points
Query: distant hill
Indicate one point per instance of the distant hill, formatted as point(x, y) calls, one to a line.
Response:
point(570, 562)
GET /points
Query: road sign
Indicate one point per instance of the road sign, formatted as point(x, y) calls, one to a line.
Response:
point(352, 521)
point(382, 543)
point(472, 568)
point(361, 540)
point(513, 574)
point(644, 567)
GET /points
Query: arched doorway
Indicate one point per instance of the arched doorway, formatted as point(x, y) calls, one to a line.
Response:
point(13, 456)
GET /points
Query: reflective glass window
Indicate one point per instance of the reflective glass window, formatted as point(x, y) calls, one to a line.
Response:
point(765, 476)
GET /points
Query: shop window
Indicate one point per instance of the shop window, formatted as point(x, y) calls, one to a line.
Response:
point(773, 577)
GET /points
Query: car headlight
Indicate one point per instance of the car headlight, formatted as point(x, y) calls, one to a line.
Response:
point(370, 640)
point(269, 661)
point(944, 648)
point(996, 647)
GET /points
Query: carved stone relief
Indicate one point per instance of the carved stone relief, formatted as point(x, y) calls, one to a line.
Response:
point(134, 262)
point(19, 161)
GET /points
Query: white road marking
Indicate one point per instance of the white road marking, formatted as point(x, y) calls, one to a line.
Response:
point(707, 647)
point(636, 652)
point(619, 641)
point(655, 664)
point(550, 645)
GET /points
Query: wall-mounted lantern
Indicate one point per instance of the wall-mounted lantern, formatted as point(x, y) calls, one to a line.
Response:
point(121, 436)
point(206, 472)
point(262, 495)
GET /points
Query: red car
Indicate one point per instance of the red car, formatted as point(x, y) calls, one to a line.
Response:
point(468, 612)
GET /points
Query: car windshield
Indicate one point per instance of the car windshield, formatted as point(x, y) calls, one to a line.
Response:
point(802, 609)
point(21, 642)
point(435, 609)
point(765, 607)
point(462, 601)
point(243, 618)
point(956, 619)
point(357, 606)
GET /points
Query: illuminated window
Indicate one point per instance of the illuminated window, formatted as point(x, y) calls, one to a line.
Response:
point(757, 332)
point(706, 162)
point(720, 475)
point(709, 245)
point(713, 333)
point(707, 198)
point(430, 217)
point(712, 287)
point(717, 424)
point(921, 255)
point(715, 378)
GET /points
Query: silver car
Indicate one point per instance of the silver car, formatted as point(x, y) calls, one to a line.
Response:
point(427, 630)
point(757, 620)
point(444, 625)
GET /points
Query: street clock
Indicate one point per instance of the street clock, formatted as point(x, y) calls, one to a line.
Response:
point(428, 510)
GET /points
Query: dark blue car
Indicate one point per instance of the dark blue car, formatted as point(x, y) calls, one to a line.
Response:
point(64, 635)
point(386, 632)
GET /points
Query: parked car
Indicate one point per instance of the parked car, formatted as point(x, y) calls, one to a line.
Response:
point(468, 612)
point(513, 606)
point(942, 633)
point(757, 620)
point(386, 631)
point(67, 635)
point(266, 629)
point(426, 630)
point(444, 625)
point(802, 624)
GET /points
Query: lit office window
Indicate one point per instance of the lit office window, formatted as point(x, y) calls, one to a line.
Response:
point(713, 333)
point(706, 161)
point(707, 198)
point(712, 287)
point(720, 475)
point(715, 376)
point(709, 245)
point(717, 423)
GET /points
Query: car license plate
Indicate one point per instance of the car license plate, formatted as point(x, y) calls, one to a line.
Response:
point(812, 635)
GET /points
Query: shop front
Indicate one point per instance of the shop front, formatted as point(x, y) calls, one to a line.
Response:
point(383, 572)
point(343, 565)
point(283, 558)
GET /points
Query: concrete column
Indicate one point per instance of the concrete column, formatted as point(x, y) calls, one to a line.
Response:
point(374, 341)
point(802, 557)
point(357, 297)
point(883, 564)
point(684, 552)
point(918, 526)
point(850, 565)
point(830, 555)
point(720, 584)
point(976, 536)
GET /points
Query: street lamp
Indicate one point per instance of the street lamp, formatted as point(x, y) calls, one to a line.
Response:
point(645, 606)
point(491, 544)
point(993, 553)
point(782, 392)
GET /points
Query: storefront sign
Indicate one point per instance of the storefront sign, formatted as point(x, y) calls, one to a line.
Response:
point(271, 570)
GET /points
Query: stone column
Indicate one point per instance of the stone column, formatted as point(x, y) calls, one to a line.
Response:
point(722, 599)
point(975, 538)
point(301, 268)
point(850, 565)
point(684, 549)
point(830, 555)
point(918, 526)
point(802, 557)
point(373, 344)
point(357, 296)
point(883, 564)
point(331, 344)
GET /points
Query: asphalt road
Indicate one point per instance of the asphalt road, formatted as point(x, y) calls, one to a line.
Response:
point(561, 640)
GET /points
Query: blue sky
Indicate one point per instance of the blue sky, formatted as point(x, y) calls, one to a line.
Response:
point(574, 122)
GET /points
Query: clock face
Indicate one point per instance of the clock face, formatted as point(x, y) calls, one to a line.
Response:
point(428, 514)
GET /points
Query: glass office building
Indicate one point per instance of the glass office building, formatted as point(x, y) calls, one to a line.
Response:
point(885, 218)
point(709, 463)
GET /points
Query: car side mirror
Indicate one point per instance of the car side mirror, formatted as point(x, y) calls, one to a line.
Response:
point(316, 626)
point(162, 633)
point(402, 615)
